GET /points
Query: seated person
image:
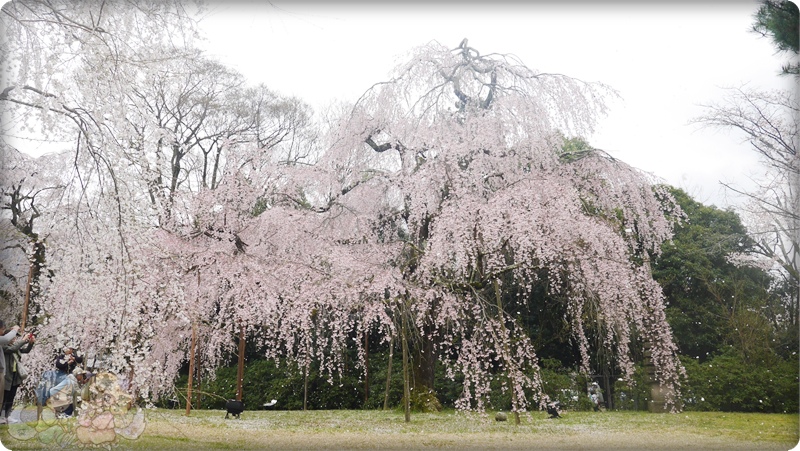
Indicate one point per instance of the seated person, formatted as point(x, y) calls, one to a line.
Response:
point(65, 392)
point(49, 380)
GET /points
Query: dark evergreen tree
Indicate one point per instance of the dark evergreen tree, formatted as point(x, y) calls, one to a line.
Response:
point(713, 304)
point(780, 20)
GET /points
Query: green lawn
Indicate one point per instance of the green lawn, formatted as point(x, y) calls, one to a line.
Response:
point(350, 429)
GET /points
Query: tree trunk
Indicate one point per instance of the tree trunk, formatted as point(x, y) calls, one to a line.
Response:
point(388, 375)
point(608, 398)
point(506, 350)
point(424, 364)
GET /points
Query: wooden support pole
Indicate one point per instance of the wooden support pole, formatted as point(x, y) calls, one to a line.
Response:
point(240, 370)
point(305, 387)
point(191, 355)
point(191, 370)
point(27, 299)
point(388, 374)
point(406, 382)
point(366, 367)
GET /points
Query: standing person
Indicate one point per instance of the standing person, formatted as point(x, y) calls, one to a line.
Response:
point(5, 338)
point(596, 395)
point(13, 354)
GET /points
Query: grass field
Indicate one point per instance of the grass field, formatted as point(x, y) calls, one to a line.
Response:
point(386, 430)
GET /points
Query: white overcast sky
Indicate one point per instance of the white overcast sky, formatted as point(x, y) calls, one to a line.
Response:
point(665, 60)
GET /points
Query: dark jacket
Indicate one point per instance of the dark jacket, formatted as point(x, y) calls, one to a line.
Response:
point(18, 346)
point(5, 340)
point(63, 364)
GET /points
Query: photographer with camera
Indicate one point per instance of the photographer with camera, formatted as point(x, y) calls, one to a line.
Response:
point(5, 338)
point(66, 364)
point(67, 361)
point(15, 372)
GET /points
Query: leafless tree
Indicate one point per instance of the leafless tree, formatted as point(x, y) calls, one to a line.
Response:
point(769, 122)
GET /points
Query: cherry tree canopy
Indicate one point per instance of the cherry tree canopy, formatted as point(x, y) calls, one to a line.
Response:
point(467, 154)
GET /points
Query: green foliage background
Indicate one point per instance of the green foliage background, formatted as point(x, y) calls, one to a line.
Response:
point(726, 322)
